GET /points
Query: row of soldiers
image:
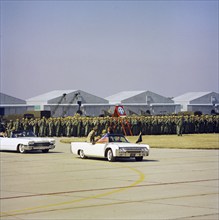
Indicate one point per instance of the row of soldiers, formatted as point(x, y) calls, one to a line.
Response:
point(80, 126)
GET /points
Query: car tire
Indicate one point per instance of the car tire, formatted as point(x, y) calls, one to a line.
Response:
point(139, 158)
point(45, 150)
point(110, 156)
point(81, 154)
point(21, 149)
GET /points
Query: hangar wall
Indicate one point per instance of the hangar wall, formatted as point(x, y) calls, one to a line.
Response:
point(10, 105)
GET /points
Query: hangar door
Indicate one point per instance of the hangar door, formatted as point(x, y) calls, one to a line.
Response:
point(2, 111)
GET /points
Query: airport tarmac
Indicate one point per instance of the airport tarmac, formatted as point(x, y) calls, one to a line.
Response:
point(168, 184)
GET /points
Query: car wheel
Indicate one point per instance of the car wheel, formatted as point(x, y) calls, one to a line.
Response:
point(110, 156)
point(21, 149)
point(45, 150)
point(139, 158)
point(81, 154)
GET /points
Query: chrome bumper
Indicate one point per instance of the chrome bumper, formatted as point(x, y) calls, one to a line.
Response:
point(131, 154)
point(28, 147)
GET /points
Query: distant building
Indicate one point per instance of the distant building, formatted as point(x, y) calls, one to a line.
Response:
point(68, 102)
point(60, 103)
point(205, 102)
point(10, 105)
point(143, 103)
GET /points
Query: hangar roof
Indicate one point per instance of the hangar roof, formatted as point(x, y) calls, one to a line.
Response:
point(65, 97)
point(118, 97)
point(7, 99)
point(137, 97)
point(49, 95)
point(190, 96)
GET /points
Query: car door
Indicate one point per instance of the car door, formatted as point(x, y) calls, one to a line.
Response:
point(8, 143)
point(95, 150)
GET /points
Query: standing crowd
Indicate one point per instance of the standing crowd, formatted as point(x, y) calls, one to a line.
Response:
point(80, 126)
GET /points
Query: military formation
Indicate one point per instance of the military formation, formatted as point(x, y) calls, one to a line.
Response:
point(80, 126)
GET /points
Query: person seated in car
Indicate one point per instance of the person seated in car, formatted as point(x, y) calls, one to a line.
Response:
point(105, 137)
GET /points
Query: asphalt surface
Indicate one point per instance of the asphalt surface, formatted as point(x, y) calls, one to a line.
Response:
point(168, 184)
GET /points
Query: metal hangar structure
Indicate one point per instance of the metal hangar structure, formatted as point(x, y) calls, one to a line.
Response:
point(143, 103)
point(63, 103)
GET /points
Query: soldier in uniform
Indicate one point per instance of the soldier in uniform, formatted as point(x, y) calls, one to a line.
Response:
point(17, 125)
point(51, 127)
point(79, 127)
point(58, 127)
point(179, 125)
point(26, 124)
point(36, 127)
point(9, 128)
point(85, 125)
point(68, 127)
point(42, 127)
point(63, 127)
point(74, 126)
point(96, 124)
point(134, 125)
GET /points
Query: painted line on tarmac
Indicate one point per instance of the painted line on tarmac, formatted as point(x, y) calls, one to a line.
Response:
point(116, 203)
point(109, 188)
point(140, 179)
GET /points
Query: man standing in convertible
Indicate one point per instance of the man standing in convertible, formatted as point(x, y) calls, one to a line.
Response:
point(91, 136)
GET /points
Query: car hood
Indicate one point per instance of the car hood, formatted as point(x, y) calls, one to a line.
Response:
point(37, 139)
point(131, 145)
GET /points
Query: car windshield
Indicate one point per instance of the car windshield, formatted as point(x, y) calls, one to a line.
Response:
point(17, 134)
point(117, 138)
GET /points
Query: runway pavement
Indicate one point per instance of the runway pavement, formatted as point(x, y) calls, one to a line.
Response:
point(169, 184)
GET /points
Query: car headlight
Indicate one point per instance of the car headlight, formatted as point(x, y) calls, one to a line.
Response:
point(31, 143)
point(52, 142)
point(122, 149)
point(144, 149)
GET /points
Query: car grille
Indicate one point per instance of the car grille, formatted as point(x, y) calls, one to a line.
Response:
point(132, 149)
point(41, 144)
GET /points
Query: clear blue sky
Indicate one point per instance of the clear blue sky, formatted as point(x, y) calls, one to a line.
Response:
point(104, 47)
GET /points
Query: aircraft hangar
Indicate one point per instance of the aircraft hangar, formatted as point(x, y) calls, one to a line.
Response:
point(143, 103)
point(10, 105)
point(205, 102)
point(61, 103)
point(68, 102)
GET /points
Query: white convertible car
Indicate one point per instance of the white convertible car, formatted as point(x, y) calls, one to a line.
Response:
point(22, 141)
point(111, 146)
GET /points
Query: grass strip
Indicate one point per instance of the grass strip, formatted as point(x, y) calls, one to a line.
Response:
point(186, 141)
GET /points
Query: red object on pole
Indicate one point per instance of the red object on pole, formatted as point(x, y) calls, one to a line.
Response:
point(119, 112)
